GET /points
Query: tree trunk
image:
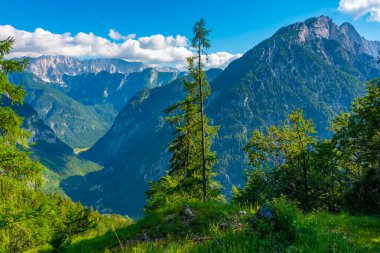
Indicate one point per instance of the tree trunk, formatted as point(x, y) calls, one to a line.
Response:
point(304, 167)
point(204, 197)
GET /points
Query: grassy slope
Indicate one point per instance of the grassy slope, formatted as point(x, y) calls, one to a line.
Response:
point(71, 166)
point(167, 232)
point(74, 123)
point(60, 165)
point(62, 168)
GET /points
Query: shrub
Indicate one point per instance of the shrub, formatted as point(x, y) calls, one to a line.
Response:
point(281, 216)
point(286, 216)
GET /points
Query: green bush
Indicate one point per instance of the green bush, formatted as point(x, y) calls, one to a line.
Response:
point(282, 226)
point(287, 213)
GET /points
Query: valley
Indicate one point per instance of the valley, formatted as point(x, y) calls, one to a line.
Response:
point(257, 130)
point(319, 74)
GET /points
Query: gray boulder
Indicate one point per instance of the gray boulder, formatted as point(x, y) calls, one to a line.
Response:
point(265, 213)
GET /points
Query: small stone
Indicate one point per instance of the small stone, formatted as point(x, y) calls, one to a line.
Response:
point(170, 217)
point(265, 213)
point(145, 236)
point(224, 225)
point(187, 211)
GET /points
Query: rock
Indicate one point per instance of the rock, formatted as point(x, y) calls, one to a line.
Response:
point(187, 213)
point(170, 218)
point(265, 213)
point(145, 236)
point(224, 225)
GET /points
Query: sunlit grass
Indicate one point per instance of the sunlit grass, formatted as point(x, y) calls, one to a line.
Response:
point(315, 232)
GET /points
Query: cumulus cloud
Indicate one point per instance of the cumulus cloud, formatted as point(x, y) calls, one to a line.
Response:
point(155, 49)
point(220, 59)
point(115, 35)
point(359, 8)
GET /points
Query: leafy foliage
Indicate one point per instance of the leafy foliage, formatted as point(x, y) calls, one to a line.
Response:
point(28, 216)
point(281, 162)
point(357, 140)
point(320, 174)
point(77, 221)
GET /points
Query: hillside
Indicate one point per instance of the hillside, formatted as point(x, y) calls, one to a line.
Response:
point(74, 123)
point(221, 228)
point(83, 109)
point(115, 89)
point(46, 147)
point(314, 65)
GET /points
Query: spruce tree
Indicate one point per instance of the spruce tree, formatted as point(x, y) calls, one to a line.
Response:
point(192, 163)
point(201, 43)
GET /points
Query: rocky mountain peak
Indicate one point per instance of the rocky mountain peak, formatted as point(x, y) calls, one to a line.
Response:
point(350, 32)
point(323, 27)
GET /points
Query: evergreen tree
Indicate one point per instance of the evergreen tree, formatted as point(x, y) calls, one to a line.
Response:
point(14, 162)
point(201, 43)
point(192, 163)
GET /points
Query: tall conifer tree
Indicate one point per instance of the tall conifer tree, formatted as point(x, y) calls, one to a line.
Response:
point(201, 43)
point(192, 163)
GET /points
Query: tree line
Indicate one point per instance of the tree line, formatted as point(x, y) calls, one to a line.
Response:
point(341, 173)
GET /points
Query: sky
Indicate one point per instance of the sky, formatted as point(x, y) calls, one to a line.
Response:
point(157, 32)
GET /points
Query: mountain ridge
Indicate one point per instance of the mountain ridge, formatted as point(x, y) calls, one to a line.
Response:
point(51, 68)
point(320, 73)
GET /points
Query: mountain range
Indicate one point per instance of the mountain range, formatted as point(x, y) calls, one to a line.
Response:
point(51, 68)
point(81, 106)
point(74, 111)
point(45, 146)
point(314, 65)
point(117, 108)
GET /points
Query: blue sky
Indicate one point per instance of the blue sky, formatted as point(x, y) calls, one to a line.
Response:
point(236, 25)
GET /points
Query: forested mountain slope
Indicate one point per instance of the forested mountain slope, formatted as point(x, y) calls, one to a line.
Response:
point(314, 65)
point(83, 109)
point(46, 147)
point(115, 89)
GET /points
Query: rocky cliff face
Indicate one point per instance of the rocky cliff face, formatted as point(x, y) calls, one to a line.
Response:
point(52, 68)
point(324, 28)
point(117, 88)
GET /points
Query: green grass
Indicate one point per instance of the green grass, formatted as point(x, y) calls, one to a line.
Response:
point(63, 167)
point(167, 232)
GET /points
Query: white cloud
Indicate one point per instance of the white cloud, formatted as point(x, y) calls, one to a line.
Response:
point(115, 35)
point(221, 59)
point(359, 8)
point(155, 49)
